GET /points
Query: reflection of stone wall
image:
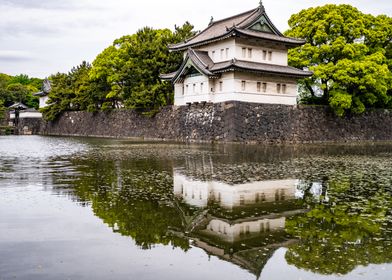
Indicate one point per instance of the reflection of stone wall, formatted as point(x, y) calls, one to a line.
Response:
point(231, 121)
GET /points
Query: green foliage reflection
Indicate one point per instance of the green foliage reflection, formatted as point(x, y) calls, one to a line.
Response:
point(346, 228)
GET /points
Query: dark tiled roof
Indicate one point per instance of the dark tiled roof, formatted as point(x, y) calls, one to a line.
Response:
point(41, 93)
point(271, 37)
point(205, 65)
point(201, 59)
point(259, 67)
point(227, 27)
point(168, 76)
point(198, 59)
point(18, 105)
point(215, 29)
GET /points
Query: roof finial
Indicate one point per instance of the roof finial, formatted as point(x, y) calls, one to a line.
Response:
point(211, 20)
point(261, 6)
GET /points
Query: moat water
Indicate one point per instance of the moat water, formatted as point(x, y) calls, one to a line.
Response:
point(74, 208)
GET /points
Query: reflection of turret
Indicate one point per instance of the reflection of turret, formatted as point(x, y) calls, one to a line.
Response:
point(231, 231)
point(198, 193)
point(245, 242)
point(247, 225)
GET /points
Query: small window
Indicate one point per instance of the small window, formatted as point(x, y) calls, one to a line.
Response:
point(243, 85)
point(258, 89)
point(220, 86)
point(194, 88)
point(264, 55)
point(278, 88)
point(264, 87)
point(227, 52)
point(182, 89)
point(201, 87)
point(269, 55)
point(243, 52)
point(222, 52)
point(242, 200)
point(249, 53)
point(187, 88)
point(213, 55)
point(283, 88)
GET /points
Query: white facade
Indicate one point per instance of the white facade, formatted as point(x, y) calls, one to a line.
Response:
point(27, 115)
point(43, 101)
point(231, 232)
point(231, 86)
point(198, 193)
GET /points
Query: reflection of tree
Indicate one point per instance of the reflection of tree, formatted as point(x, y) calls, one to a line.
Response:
point(131, 190)
point(346, 230)
point(132, 199)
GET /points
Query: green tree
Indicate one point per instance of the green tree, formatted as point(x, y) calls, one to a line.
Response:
point(59, 96)
point(23, 93)
point(130, 68)
point(124, 74)
point(350, 55)
point(2, 111)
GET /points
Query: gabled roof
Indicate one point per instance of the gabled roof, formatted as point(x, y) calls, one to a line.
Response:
point(198, 60)
point(46, 88)
point(254, 23)
point(19, 106)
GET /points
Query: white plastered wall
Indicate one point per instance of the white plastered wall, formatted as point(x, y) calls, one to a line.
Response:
point(233, 232)
point(43, 101)
point(192, 89)
point(220, 51)
point(198, 193)
point(230, 88)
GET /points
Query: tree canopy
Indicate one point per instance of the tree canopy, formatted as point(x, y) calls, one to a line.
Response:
point(125, 74)
point(350, 55)
point(19, 88)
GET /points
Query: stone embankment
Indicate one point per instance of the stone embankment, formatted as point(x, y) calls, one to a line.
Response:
point(225, 122)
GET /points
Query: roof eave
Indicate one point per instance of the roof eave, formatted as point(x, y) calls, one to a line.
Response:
point(239, 68)
point(233, 32)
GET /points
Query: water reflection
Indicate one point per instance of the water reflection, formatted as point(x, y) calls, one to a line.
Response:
point(319, 208)
point(242, 223)
point(241, 204)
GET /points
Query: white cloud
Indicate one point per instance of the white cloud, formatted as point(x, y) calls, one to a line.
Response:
point(11, 55)
point(61, 34)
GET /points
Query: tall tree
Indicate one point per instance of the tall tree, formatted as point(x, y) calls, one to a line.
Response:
point(350, 55)
point(19, 89)
point(131, 67)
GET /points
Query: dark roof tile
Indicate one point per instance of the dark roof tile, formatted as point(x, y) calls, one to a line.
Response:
point(260, 67)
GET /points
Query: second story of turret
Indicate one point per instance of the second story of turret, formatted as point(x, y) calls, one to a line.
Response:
point(249, 36)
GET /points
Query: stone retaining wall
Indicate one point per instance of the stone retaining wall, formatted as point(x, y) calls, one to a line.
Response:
point(230, 121)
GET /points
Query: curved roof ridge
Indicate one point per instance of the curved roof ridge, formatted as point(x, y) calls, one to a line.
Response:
point(215, 29)
point(198, 58)
point(258, 12)
point(237, 15)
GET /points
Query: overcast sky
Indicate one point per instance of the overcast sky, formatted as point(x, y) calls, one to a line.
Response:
point(42, 37)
